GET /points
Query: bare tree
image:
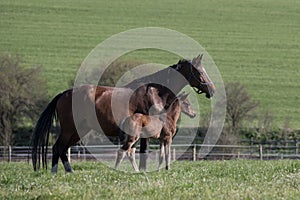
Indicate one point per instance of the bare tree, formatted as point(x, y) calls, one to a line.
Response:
point(21, 91)
point(238, 110)
point(265, 126)
point(239, 106)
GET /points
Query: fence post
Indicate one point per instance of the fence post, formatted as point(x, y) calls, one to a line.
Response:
point(260, 152)
point(251, 146)
point(194, 153)
point(174, 154)
point(296, 147)
point(69, 154)
point(78, 155)
point(9, 153)
point(84, 155)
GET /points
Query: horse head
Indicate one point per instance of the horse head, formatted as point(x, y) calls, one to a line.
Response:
point(186, 106)
point(196, 75)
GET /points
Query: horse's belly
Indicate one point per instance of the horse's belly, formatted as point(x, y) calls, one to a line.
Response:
point(152, 129)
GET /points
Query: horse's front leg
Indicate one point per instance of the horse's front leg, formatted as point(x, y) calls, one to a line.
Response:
point(168, 154)
point(131, 156)
point(144, 152)
point(127, 148)
point(161, 155)
point(120, 156)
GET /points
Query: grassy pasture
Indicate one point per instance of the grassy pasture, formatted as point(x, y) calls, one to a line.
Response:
point(235, 179)
point(255, 42)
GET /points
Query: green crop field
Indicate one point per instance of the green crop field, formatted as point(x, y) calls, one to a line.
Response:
point(255, 42)
point(235, 179)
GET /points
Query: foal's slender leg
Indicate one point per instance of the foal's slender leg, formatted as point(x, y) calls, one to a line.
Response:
point(131, 156)
point(120, 156)
point(144, 152)
point(168, 155)
point(161, 155)
point(125, 148)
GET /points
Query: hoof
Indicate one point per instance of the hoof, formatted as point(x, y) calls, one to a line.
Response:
point(54, 169)
point(68, 167)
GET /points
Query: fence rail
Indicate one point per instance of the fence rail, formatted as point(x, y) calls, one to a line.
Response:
point(179, 152)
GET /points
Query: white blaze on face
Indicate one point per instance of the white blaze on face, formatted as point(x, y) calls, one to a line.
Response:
point(206, 74)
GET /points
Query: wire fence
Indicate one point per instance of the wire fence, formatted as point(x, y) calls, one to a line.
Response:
point(193, 152)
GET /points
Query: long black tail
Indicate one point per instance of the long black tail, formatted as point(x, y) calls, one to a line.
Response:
point(40, 135)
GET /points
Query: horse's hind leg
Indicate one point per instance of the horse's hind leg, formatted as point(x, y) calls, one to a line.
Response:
point(55, 158)
point(66, 162)
point(74, 138)
point(60, 148)
point(56, 151)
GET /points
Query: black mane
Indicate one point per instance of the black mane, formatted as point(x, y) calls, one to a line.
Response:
point(180, 62)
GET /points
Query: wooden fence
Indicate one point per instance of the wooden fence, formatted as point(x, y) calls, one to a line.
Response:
point(192, 152)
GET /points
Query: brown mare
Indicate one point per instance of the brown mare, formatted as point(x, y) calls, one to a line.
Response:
point(162, 127)
point(166, 83)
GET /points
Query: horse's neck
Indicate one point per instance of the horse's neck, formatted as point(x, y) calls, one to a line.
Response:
point(173, 111)
point(169, 78)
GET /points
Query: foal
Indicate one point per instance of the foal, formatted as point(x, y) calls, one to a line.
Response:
point(162, 127)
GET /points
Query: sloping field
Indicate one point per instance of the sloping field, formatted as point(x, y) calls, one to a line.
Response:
point(255, 42)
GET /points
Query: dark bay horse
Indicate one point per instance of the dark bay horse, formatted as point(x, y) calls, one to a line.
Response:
point(162, 127)
point(166, 83)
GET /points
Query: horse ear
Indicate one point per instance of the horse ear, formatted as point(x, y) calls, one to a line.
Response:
point(200, 57)
point(197, 60)
point(194, 61)
point(183, 96)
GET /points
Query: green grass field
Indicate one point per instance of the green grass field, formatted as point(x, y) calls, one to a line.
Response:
point(255, 42)
point(235, 179)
